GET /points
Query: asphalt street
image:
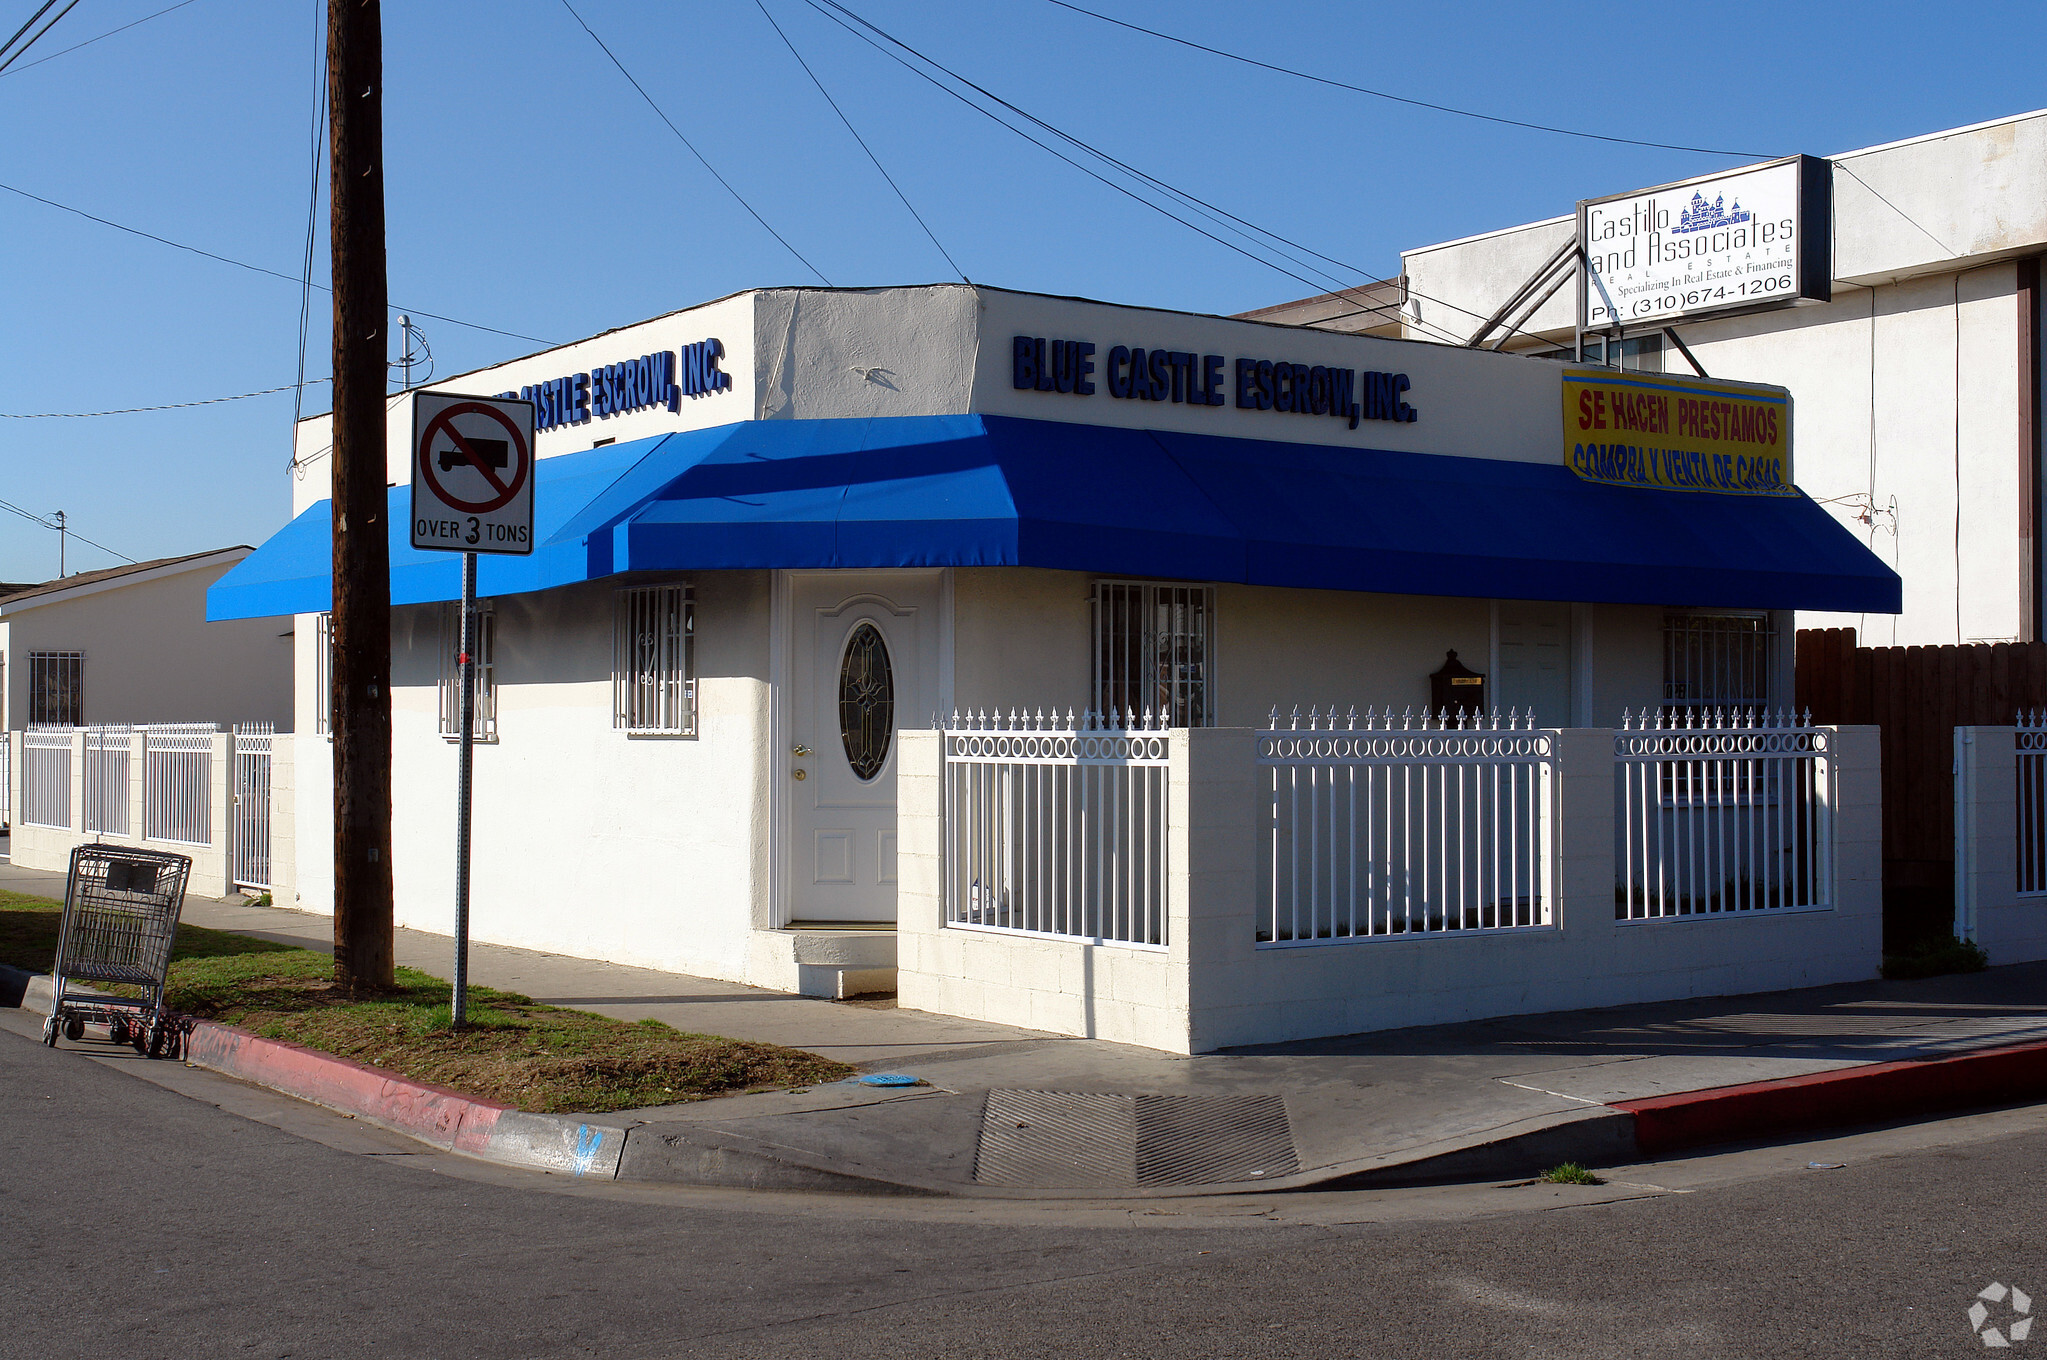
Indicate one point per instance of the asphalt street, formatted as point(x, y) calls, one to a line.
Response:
point(145, 1221)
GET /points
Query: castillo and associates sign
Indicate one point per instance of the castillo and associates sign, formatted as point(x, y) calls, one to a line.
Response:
point(1677, 434)
point(1742, 240)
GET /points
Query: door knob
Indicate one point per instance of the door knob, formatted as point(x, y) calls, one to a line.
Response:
point(802, 751)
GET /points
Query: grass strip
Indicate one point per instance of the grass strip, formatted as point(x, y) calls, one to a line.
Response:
point(546, 1059)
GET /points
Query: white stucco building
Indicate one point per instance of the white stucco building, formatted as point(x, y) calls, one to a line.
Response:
point(778, 531)
point(1917, 386)
point(132, 644)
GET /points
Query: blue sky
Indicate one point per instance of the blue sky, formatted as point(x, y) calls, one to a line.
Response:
point(531, 190)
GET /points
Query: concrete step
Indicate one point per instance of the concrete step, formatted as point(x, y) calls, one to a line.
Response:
point(827, 960)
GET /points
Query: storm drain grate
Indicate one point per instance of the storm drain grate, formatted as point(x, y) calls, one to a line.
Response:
point(1079, 1141)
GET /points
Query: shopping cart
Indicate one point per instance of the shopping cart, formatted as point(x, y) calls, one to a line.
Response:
point(121, 909)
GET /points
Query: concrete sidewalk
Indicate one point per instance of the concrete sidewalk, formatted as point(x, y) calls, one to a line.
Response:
point(1017, 1113)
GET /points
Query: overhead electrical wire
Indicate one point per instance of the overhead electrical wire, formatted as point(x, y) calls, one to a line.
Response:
point(34, 518)
point(833, 10)
point(168, 406)
point(701, 159)
point(14, 53)
point(257, 268)
point(63, 51)
point(911, 208)
point(317, 145)
point(1320, 286)
point(1403, 99)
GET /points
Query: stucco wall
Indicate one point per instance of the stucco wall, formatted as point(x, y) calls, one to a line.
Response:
point(730, 320)
point(151, 657)
point(585, 841)
point(1024, 640)
point(1021, 639)
point(1905, 390)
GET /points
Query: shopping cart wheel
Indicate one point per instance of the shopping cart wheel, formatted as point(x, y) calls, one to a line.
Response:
point(50, 1032)
point(174, 1046)
point(74, 1027)
point(138, 1039)
point(117, 1031)
point(157, 1039)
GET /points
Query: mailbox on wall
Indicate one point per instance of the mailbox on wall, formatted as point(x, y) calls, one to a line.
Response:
point(1456, 688)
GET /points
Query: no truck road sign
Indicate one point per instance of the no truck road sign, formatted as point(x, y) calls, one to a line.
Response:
point(472, 473)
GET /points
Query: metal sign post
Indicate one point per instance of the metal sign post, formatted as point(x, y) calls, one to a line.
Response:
point(472, 492)
point(464, 769)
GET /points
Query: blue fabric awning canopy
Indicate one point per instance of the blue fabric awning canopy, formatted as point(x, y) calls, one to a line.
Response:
point(976, 490)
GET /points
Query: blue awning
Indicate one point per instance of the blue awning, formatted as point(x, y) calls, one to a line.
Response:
point(923, 491)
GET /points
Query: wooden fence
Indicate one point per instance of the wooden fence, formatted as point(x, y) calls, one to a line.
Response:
point(1918, 696)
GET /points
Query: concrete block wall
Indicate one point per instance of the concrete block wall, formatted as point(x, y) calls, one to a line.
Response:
point(1215, 987)
point(1988, 908)
point(41, 847)
point(1126, 993)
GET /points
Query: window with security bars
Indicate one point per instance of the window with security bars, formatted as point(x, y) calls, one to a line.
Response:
point(56, 689)
point(1155, 651)
point(323, 675)
point(485, 723)
point(1717, 662)
point(654, 661)
point(1717, 667)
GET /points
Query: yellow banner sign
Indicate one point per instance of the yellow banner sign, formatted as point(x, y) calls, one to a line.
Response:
point(1679, 434)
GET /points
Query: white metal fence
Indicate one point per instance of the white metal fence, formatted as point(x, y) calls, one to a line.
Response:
point(2031, 742)
point(46, 777)
point(1722, 812)
point(106, 779)
point(249, 835)
point(177, 783)
point(1382, 825)
point(1056, 826)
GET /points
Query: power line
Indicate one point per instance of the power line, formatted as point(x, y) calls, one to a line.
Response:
point(34, 518)
point(862, 140)
point(15, 54)
point(827, 7)
point(90, 41)
point(316, 145)
point(1053, 150)
point(1221, 216)
point(1843, 168)
point(169, 406)
point(257, 268)
point(737, 197)
point(31, 23)
point(1401, 99)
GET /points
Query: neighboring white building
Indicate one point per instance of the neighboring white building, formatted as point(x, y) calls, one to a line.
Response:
point(1917, 388)
point(133, 645)
point(777, 529)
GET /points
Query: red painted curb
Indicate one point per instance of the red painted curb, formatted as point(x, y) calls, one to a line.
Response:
point(1852, 1095)
point(431, 1113)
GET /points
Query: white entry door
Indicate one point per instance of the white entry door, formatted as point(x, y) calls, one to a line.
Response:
point(1535, 661)
point(864, 661)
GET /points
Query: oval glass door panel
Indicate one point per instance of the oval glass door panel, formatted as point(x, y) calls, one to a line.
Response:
point(867, 701)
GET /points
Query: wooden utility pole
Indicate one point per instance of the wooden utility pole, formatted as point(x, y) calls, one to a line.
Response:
point(362, 555)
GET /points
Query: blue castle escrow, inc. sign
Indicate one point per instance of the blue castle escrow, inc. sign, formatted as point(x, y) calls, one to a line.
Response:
point(662, 378)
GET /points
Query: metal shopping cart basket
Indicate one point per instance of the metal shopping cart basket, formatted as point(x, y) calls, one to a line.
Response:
point(121, 908)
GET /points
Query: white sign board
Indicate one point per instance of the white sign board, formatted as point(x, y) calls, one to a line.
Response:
point(1760, 237)
point(472, 473)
